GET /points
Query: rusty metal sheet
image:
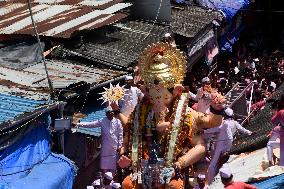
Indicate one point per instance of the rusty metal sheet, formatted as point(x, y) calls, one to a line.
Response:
point(62, 74)
point(24, 92)
point(98, 4)
point(56, 20)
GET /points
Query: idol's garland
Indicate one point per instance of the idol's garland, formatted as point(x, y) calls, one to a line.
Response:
point(174, 139)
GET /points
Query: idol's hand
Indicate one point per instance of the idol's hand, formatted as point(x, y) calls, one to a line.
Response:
point(124, 162)
point(178, 89)
point(162, 127)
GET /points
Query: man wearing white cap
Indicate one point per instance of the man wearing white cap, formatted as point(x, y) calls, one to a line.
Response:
point(131, 97)
point(96, 184)
point(203, 96)
point(227, 179)
point(112, 138)
point(108, 180)
point(225, 137)
point(201, 182)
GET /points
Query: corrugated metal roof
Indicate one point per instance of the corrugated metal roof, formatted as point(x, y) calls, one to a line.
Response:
point(62, 73)
point(56, 20)
point(95, 3)
point(123, 46)
point(188, 21)
point(14, 106)
point(25, 92)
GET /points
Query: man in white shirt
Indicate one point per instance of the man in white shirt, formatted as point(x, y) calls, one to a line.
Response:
point(203, 96)
point(224, 141)
point(112, 138)
point(131, 97)
point(274, 142)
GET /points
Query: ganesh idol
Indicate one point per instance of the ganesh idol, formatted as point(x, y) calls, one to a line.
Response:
point(163, 135)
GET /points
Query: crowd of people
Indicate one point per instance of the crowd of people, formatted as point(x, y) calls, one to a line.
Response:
point(266, 74)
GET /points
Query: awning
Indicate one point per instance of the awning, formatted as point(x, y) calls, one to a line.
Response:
point(201, 42)
point(201, 47)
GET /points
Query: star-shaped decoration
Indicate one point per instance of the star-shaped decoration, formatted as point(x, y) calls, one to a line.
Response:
point(113, 93)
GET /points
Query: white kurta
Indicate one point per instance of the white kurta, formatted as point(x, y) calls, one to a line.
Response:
point(223, 143)
point(130, 100)
point(112, 137)
point(274, 142)
point(204, 101)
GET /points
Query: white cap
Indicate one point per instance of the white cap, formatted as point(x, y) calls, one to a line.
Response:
point(225, 172)
point(221, 72)
point(205, 79)
point(108, 109)
point(201, 176)
point(236, 69)
point(128, 77)
point(167, 35)
point(108, 175)
point(229, 112)
point(256, 59)
point(272, 84)
point(96, 182)
point(116, 185)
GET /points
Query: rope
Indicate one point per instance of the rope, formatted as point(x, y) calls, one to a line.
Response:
point(41, 49)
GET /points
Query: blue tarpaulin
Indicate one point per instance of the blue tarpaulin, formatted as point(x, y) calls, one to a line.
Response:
point(276, 182)
point(179, 1)
point(228, 7)
point(227, 41)
point(29, 163)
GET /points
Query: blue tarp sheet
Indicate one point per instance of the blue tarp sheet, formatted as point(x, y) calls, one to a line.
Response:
point(29, 163)
point(228, 7)
point(179, 1)
point(227, 41)
point(276, 182)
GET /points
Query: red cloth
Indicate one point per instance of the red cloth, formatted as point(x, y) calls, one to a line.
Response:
point(258, 105)
point(278, 118)
point(239, 185)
